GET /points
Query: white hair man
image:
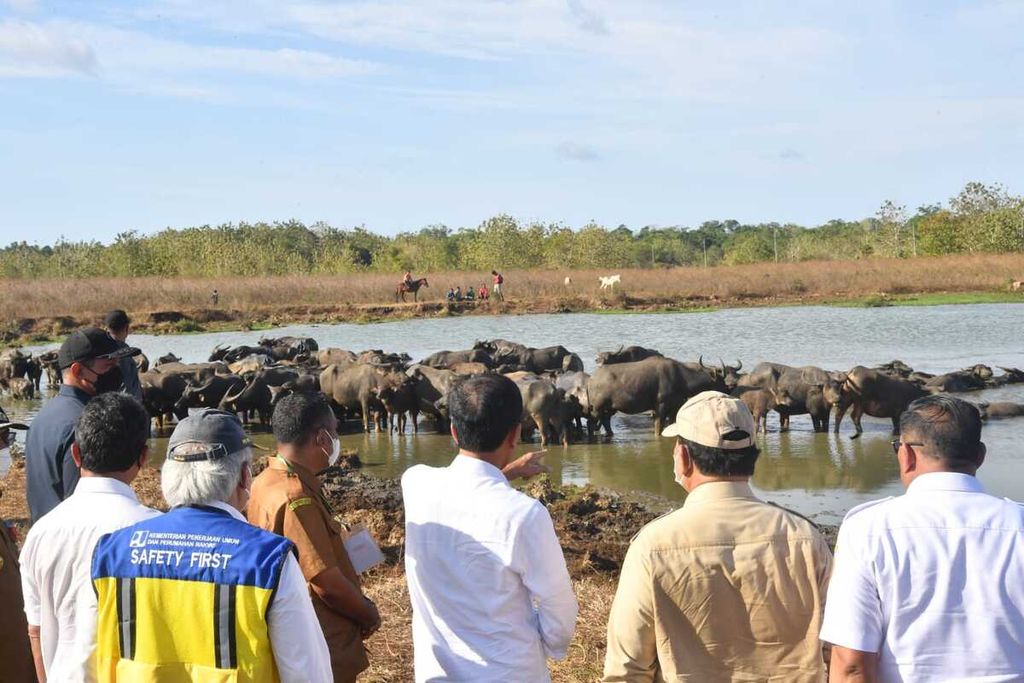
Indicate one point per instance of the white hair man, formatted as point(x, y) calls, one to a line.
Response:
point(203, 557)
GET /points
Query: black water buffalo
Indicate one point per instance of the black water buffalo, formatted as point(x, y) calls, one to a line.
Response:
point(574, 384)
point(864, 391)
point(209, 393)
point(445, 359)
point(506, 355)
point(625, 354)
point(432, 385)
point(161, 393)
point(1011, 375)
point(196, 372)
point(973, 378)
point(355, 387)
point(544, 406)
point(728, 375)
point(386, 361)
point(166, 359)
point(660, 385)
point(797, 391)
point(999, 410)
point(400, 402)
point(251, 363)
point(760, 401)
point(233, 354)
point(289, 348)
point(253, 396)
point(49, 362)
point(469, 368)
point(13, 363)
point(895, 368)
point(307, 383)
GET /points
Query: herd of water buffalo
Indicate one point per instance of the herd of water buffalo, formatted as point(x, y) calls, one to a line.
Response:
point(560, 399)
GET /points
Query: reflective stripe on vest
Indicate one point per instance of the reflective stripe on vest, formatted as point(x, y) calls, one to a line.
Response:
point(185, 597)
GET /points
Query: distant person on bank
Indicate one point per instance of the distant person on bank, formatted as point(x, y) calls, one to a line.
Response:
point(726, 588)
point(118, 324)
point(490, 592)
point(929, 586)
point(60, 605)
point(499, 282)
point(15, 651)
point(88, 360)
point(287, 500)
point(211, 597)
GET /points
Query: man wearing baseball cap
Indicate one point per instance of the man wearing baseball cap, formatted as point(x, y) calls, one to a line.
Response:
point(728, 587)
point(15, 650)
point(210, 595)
point(88, 361)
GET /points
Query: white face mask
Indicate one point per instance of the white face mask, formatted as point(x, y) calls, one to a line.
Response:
point(332, 458)
point(5, 453)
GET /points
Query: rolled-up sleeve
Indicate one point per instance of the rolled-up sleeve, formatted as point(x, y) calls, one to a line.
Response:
point(546, 578)
point(296, 638)
point(632, 651)
point(853, 609)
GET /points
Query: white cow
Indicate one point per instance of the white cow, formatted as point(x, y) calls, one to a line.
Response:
point(1016, 285)
point(568, 281)
point(609, 282)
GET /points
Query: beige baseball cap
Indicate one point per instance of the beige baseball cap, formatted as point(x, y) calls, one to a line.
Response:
point(708, 416)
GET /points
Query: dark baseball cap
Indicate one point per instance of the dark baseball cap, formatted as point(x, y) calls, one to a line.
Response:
point(89, 343)
point(5, 422)
point(220, 432)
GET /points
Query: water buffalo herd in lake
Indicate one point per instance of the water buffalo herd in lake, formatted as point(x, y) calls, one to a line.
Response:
point(560, 400)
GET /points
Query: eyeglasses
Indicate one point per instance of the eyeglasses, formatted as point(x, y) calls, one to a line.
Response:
point(896, 444)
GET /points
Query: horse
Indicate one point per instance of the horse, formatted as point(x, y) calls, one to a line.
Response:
point(414, 287)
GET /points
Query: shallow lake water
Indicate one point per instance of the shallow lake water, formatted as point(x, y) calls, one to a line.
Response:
point(820, 475)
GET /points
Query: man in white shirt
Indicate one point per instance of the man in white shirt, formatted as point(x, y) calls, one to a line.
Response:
point(929, 586)
point(491, 595)
point(60, 605)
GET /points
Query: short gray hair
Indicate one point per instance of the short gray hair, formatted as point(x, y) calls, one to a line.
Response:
point(204, 481)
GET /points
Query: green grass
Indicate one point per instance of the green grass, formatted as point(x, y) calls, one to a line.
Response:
point(930, 299)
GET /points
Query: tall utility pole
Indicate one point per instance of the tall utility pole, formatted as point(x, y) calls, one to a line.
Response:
point(704, 242)
point(775, 242)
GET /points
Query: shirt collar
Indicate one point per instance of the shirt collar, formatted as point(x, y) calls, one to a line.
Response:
point(718, 490)
point(476, 467)
point(945, 481)
point(221, 505)
point(289, 467)
point(99, 484)
point(74, 392)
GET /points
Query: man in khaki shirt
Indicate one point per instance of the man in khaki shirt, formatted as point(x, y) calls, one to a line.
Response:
point(727, 588)
point(286, 499)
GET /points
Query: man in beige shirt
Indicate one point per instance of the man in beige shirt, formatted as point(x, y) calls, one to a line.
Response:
point(727, 588)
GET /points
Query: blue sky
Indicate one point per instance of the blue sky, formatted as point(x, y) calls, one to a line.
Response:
point(397, 115)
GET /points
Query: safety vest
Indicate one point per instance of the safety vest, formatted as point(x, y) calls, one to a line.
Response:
point(185, 597)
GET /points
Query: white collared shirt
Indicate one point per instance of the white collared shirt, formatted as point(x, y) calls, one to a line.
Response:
point(296, 639)
point(490, 592)
point(933, 581)
point(56, 563)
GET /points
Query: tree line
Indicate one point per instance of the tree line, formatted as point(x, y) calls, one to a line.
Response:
point(981, 218)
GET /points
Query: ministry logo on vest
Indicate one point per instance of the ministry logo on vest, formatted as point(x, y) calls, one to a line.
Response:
point(138, 539)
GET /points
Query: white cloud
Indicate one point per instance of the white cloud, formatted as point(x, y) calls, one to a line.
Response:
point(574, 151)
point(28, 50)
point(22, 6)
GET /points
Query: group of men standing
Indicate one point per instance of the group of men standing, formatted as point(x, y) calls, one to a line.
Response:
point(248, 578)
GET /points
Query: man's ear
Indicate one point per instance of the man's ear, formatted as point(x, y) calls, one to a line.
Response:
point(76, 454)
point(455, 437)
point(907, 459)
point(512, 440)
point(982, 450)
point(143, 456)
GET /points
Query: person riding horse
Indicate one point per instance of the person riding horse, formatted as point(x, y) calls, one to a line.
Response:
point(409, 285)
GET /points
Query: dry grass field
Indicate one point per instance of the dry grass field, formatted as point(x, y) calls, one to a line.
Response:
point(304, 298)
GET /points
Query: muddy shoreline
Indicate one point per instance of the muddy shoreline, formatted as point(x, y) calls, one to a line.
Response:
point(35, 330)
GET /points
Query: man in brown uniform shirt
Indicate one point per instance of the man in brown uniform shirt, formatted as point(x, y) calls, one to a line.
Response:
point(15, 652)
point(286, 499)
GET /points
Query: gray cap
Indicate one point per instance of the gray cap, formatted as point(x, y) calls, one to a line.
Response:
point(220, 432)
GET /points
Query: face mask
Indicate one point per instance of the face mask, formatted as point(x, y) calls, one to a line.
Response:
point(112, 380)
point(332, 459)
point(5, 453)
